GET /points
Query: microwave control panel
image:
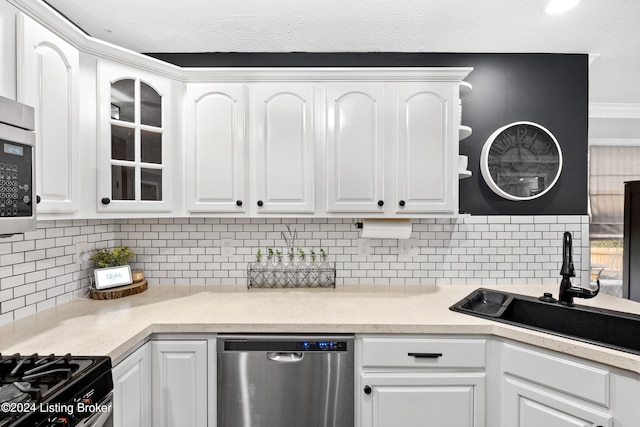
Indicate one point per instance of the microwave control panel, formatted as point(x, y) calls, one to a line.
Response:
point(16, 186)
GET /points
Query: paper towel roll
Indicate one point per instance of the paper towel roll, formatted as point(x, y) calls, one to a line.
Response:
point(386, 228)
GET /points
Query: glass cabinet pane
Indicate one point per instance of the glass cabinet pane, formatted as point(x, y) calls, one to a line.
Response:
point(151, 180)
point(136, 146)
point(123, 100)
point(123, 143)
point(123, 183)
point(150, 147)
point(150, 106)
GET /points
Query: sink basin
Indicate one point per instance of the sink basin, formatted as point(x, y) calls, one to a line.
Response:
point(487, 303)
point(608, 328)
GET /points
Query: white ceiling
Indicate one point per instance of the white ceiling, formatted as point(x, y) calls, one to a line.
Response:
point(608, 28)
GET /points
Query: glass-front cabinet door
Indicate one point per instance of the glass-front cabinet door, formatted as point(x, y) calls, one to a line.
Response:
point(134, 150)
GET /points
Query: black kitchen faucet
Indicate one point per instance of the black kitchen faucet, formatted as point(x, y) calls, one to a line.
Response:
point(567, 291)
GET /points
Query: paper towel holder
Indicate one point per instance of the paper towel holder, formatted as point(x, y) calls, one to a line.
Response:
point(384, 228)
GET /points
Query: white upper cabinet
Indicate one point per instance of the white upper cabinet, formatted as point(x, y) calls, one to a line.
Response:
point(355, 132)
point(282, 127)
point(170, 141)
point(426, 153)
point(338, 142)
point(216, 153)
point(48, 70)
point(135, 140)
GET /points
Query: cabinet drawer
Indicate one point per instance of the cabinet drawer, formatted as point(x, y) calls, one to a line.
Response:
point(562, 374)
point(423, 353)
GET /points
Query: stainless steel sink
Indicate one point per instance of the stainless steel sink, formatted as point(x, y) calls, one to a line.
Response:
point(608, 328)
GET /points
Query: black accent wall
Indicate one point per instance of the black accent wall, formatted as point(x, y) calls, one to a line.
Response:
point(549, 89)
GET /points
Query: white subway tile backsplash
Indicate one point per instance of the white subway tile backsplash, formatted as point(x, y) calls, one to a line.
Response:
point(38, 270)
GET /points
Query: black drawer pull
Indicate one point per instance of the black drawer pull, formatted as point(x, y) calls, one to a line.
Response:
point(425, 355)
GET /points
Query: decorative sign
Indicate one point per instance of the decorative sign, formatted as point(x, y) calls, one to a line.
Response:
point(112, 276)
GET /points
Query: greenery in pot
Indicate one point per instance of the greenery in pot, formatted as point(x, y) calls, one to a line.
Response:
point(112, 258)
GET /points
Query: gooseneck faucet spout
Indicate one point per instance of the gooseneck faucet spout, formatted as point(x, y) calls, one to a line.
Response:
point(567, 291)
point(567, 256)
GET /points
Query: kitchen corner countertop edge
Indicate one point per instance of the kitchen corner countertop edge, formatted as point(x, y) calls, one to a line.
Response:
point(115, 327)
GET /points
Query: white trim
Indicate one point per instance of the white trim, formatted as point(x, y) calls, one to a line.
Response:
point(290, 74)
point(58, 24)
point(604, 110)
point(615, 142)
point(62, 27)
point(593, 57)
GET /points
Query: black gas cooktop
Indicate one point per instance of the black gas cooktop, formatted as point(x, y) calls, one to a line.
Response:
point(47, 390)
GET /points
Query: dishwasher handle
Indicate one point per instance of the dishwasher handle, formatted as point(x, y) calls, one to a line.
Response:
point(285, 356)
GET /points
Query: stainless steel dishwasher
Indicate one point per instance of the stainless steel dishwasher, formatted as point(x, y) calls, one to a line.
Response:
point(285, 381)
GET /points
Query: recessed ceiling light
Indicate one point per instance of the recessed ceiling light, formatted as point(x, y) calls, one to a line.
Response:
point(555, 7)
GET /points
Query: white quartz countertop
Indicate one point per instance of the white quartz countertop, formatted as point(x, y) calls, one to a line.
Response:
point(114, 327)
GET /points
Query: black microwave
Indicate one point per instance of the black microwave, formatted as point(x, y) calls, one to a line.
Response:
point(17, 168)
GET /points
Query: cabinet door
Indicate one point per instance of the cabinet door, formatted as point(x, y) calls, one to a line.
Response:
point(530, 405)
point(419, 399)
point(135, 140)
point(426, 148)
point(355, 128)
point(48, 70)
point(179, 387)
point(132, 389)
point(283, 129)
point(215, 147)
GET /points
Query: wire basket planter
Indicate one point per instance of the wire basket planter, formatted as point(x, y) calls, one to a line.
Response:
point(291, 275)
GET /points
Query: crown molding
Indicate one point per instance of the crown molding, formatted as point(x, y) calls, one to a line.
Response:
point(614, 111)
point(51, 19)
point(45, 15)
point(378, 74)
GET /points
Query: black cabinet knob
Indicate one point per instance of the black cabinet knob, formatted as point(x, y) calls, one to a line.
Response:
point(238, 202)
point(401, 203)
point(38, 199)
point(380, 203)
point(260, 203)
point(105, 200)
point(367, 389)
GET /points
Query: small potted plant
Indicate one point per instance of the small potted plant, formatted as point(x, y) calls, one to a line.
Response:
point(116, 257)
point(112, 268)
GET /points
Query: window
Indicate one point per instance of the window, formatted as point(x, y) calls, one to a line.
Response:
point(609, 168)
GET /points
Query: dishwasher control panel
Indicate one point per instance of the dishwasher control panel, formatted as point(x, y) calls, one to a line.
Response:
point(323, 345)
point(253, 344)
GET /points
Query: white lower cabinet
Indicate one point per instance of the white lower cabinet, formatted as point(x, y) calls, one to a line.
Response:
point(527, 404)
point(415, 399)
point(164, 383)
point(401, 381)
point(544, 388)
point(418, 381)
point(132, 389)
point(179, 383)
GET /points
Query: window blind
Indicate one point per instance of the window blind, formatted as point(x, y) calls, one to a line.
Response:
point(609, 168)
